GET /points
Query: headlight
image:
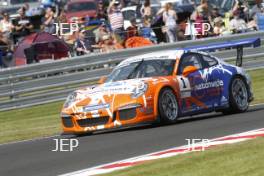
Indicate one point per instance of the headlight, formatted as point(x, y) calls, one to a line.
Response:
point(139, 90)
point(70, 99)
point(64, 115)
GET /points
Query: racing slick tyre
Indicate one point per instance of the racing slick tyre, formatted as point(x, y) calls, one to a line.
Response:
point(238, 97)
point(167, 106)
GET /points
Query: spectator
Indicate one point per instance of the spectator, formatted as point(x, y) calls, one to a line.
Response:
point(115, 17)
point(27, 10)
point(252, 25)
point(132, 30)
point(117, 42)
point(238, 24)
point(215, 13)
point(219, 28)
point(100, 32)
point(169, 18)
point(101, 12)
point(82, 45)
point(158, 26)
point(146, 10)
point(62, 17)
point(204, 5)
point(257, 8)
point(6, 53)
point(257, 16)
point(201, 18)
point(108, 45)
point(22, 26)
point(6, 26)
point(48, 21)
point(147, 32)
point(242, 9)
point(3, 41)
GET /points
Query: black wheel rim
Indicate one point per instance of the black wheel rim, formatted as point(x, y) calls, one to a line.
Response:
point(169, 106)
point(240, 94)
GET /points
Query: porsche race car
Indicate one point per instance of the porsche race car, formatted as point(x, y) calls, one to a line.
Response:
point(158, 87)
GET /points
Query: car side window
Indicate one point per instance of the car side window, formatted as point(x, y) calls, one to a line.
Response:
point(190, 59)
point(158, 68)
point(209, 61)
point(150, 70)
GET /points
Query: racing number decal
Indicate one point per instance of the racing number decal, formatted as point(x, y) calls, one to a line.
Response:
point(185, 86)
point(183, 82)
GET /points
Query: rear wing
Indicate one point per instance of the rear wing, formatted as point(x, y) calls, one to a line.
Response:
point(237, 44)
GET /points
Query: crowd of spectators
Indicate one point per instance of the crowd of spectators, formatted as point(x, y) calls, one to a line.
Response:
point(111, 33)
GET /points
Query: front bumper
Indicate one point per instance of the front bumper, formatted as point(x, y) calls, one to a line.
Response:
point(77, 123)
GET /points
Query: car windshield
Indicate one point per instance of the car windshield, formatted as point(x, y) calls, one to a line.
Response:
point(142, 69)
point(84, 6)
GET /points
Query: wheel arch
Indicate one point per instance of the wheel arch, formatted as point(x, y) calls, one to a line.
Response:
point(157, 93)
point(238, 75)
point(233, 107)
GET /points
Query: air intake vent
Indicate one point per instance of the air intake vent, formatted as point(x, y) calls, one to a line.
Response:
point(89, 122)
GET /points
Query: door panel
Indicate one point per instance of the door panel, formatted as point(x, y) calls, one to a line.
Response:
point(192, 100)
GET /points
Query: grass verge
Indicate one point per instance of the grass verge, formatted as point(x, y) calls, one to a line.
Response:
point(258, 85)
point(244, 158)
point(43, 120)
point(28, 123)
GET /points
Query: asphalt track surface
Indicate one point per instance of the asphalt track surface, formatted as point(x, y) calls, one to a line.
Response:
point(36, 158)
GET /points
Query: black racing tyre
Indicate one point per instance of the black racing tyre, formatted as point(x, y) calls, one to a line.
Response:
point(238, 96)
point(167, 106)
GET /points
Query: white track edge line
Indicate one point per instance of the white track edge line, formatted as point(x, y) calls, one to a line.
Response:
point(148, 154)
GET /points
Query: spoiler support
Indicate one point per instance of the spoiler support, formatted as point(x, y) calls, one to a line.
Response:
point(239, 59)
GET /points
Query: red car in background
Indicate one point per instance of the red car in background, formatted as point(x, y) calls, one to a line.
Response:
point(78, 10)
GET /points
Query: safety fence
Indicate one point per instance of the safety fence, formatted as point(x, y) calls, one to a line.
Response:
point(52, 81)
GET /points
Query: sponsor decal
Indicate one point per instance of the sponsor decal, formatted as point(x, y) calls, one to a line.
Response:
point(219, 68)
point(124, 87)
point(95, 107)
point(185, 86)
point(214, 84)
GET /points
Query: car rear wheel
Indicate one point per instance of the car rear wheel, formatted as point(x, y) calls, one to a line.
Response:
point(238, 96)
point(168, 106)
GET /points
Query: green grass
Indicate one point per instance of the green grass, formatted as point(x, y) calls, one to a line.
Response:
point(242, 159)
point(258, 85)
point(28, 123)
point(43, 120)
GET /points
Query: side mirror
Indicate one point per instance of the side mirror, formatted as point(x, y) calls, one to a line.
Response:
point(102, 80)
point(189, 69)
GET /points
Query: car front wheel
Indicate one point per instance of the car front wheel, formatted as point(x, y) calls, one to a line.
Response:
point(168, 106)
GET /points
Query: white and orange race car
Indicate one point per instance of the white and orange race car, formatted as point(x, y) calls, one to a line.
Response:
point(158, 87)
